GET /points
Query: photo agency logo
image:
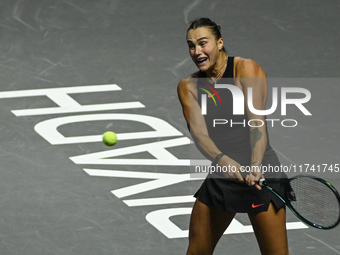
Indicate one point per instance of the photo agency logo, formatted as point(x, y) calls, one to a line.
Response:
point(204, 97)
point(296, 96)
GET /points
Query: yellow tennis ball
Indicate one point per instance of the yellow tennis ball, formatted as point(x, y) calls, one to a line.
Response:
point(109, 138)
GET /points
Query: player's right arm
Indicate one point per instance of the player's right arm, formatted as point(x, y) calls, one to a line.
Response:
point(187, 93)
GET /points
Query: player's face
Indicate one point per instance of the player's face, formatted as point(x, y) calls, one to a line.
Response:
point(203, 48)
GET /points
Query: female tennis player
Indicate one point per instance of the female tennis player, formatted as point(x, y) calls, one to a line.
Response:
point(240, 143)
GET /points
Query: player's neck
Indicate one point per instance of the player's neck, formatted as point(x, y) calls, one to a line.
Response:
point(219, 68)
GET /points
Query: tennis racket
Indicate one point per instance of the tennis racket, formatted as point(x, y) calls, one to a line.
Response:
point(313, 200)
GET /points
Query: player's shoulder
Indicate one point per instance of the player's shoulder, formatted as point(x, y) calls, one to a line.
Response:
point(185, 83)
point(247, 68)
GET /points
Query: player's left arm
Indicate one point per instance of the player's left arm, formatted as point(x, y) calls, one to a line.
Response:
point(251, 75)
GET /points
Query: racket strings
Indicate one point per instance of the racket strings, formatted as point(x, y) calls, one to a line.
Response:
point(314, 201)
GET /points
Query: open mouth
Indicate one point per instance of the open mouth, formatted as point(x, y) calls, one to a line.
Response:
point(201, 60)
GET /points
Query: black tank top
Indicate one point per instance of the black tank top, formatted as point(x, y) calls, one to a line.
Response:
point(233, 137)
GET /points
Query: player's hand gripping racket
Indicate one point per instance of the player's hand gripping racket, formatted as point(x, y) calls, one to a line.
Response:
point(313, 200)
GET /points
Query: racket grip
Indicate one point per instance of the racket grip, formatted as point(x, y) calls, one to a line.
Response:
point(261, 182)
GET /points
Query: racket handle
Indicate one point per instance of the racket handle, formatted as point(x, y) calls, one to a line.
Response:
point(261, 182)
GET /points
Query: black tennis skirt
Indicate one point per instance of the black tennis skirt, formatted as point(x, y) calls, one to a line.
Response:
point(236, 197)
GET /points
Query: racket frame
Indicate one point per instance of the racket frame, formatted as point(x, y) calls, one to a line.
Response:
point(264, 183)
